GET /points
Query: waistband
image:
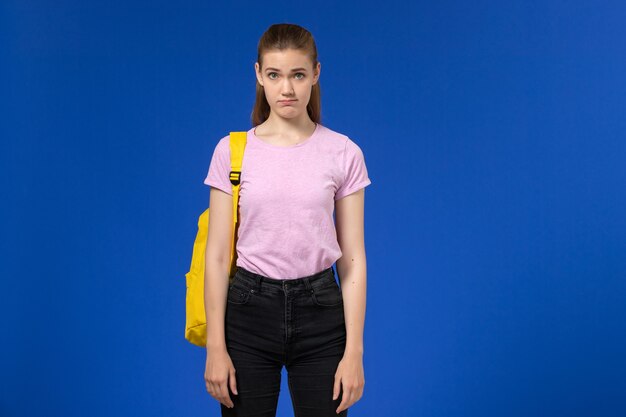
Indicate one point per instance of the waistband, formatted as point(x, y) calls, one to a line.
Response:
point(307, 282)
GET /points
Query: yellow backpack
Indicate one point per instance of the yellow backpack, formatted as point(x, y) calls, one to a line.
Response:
point(195, 323)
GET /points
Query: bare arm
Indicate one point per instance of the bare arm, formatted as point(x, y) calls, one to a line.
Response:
point(217, 265)
point(351, 267)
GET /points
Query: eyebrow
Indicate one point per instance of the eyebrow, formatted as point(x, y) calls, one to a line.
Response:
point(293, 70)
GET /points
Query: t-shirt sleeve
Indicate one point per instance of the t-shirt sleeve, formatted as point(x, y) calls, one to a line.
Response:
point(354, 169)
point(219, 168)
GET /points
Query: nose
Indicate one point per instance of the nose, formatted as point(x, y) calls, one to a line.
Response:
point(287, 89)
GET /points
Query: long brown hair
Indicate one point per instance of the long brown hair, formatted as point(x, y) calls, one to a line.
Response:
point(282, 36)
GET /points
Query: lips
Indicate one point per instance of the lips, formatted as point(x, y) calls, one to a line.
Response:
point(287, 101)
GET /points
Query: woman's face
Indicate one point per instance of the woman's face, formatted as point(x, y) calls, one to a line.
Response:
point(287, 75)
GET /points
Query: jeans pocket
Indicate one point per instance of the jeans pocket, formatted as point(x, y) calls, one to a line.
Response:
point(237, 294)
point(328, 295)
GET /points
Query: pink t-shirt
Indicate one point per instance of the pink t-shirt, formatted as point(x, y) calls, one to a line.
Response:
point(286, 200)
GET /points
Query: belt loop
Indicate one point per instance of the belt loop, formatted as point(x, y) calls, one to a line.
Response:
point(307, 284)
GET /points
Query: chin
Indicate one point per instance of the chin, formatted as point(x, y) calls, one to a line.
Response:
point(289, 113)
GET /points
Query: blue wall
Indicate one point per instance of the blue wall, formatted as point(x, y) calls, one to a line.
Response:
point(495, 138)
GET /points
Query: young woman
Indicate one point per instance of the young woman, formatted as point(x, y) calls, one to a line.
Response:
point(284, 306)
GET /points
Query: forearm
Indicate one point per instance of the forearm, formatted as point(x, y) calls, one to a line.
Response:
point(352, 271)
point(215, 292)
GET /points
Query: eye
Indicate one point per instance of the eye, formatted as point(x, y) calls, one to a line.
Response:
point(269, 74)
point(300, 74)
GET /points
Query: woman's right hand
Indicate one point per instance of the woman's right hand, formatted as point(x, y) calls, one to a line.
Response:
point(219, 374)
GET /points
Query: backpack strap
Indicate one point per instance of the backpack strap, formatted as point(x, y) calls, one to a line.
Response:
point(237, 146)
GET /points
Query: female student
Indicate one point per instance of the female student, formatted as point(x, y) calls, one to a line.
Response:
point(284, 306)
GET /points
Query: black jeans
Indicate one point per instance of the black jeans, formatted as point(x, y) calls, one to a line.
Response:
point(298, 323)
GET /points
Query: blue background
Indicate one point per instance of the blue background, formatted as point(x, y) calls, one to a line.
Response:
point(495, 138)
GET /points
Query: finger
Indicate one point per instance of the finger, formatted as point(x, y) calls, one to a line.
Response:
point(345, 401)
point(213, 390)
point(233, 382)
point(224, 395)
point(336, 387)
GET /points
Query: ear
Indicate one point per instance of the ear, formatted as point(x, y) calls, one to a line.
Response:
point(317, 72)
point(259, 78)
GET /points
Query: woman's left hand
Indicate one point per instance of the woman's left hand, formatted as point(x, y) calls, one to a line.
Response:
point(350, 375)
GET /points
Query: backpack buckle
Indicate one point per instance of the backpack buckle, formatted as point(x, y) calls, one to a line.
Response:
point(235, 177)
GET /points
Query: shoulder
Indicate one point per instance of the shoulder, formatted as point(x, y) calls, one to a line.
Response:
point(342, 142)
point(223, 145)
point(336, 139)
point(224, 141)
